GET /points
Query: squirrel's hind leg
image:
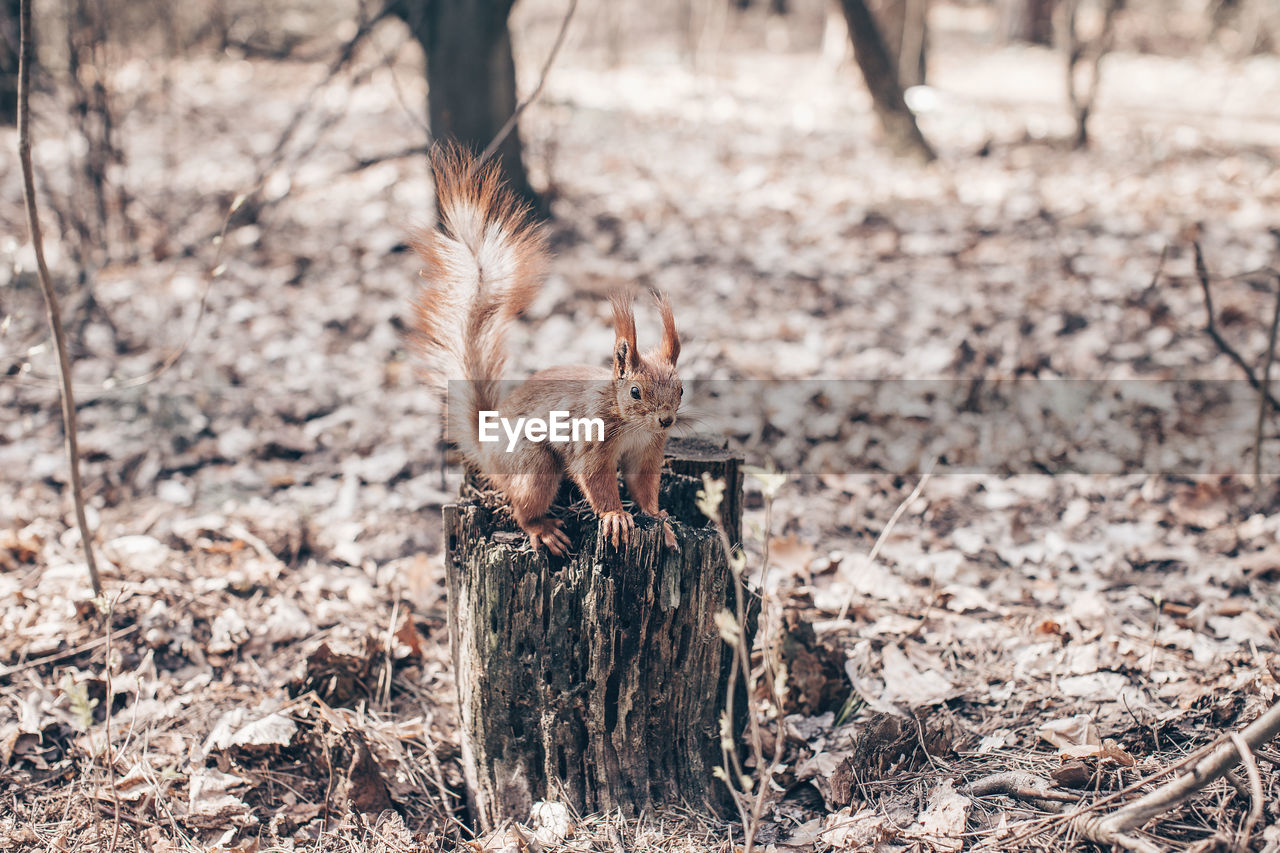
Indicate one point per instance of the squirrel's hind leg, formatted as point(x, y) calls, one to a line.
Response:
point(531, 493)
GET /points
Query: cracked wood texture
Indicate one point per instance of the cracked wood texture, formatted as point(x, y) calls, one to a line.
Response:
point(597, 679)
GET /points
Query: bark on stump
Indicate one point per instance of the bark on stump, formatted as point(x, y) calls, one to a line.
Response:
point(599, 679)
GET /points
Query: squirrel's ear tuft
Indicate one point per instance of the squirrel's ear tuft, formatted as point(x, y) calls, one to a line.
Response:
point(669, 349)
point(623, 359)
point(626, 358)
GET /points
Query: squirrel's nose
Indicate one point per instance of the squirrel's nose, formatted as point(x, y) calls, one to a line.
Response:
point(666, 421)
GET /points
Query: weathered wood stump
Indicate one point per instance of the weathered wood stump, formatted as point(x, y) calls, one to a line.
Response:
point(597, 679)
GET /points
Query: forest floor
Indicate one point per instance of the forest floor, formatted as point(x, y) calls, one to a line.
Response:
point(272, 671)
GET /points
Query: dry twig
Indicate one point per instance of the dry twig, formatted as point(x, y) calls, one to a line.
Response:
point(272, 161)
point(884, 534)
point(749, 794)
point(1087, 55)
point(615, 839)
point(108, 753)
point(403, 153)
point(1211, 329)
point(1255, 790)
point(533, 96)
point(1020, 785)
point(50, 295)
point(1266, 388)
point(6, 671)
point(1114, 828)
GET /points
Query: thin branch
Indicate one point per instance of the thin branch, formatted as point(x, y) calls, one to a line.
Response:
point(215, 271)
point(1211, 328)
point(1113, 828)
point(1033, 826)
point(108, 753)
point(7, 671)
point(884, 534)
point(733, 774)
point(1155, 278)
point(50, 295)
point(615, 839)
point(748, 794)
point(411, 151)
point(1262, 398)
point(533, 96)
point(1255, 790)
point(1020, 785)
point(780, 735)
point(1091, 53)
point(273, 159)
point(335, 68)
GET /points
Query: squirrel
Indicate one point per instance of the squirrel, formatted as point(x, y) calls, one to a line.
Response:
point(482, 268)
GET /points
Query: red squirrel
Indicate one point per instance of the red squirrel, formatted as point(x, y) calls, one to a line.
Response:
point(482, 268)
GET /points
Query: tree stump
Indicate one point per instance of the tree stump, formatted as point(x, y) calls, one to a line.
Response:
point(597, 679)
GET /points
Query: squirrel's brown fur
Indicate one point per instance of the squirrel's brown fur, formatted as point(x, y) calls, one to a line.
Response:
point(481, 269)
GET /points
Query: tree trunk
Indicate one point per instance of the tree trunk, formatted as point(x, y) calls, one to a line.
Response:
point(471, 77)
point(878, 70)
point(597, 680)
point(1027, 20)
point(903, 25)
point(9, 61)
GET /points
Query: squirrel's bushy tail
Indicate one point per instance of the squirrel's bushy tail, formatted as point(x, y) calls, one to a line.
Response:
point(482, 266)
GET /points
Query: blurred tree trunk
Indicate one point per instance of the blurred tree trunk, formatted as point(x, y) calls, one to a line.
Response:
point(1084, 54)
point(1221, 13)
point(9, 61)
point(904, 28)
point(1027, 20)
point(471, 77)
point(881, 75)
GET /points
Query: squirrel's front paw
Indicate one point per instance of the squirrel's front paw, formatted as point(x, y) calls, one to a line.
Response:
point(617, 525)
point(547, 531)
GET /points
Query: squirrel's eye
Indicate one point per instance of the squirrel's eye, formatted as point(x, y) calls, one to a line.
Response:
point(681, 392)
point(635, 392)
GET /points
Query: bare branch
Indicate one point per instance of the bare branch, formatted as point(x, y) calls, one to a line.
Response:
point(533, 96)
point(411, 151)
point(1113, 828)
point(1266, 385)
point(1020, 785)
point(1087, 55)
point(50, 295)
point(1211, 328)
point(1255, 790)
point(884, 534)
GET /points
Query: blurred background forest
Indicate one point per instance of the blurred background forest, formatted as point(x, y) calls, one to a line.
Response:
point(999, 188)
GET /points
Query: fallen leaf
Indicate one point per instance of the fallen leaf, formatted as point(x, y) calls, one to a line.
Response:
point(551, 822)
point(908, 685)
point(207, 795)
point(942, 823)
